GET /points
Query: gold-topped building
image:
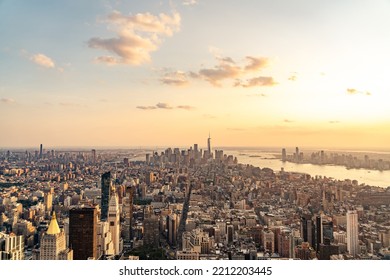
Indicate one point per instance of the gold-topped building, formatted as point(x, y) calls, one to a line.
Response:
point(53, 243)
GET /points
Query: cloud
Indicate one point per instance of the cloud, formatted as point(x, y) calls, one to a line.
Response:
point(228, 69)
point(334, 122)
point(109, 60)
point(224, 70)
point(7, 100)
point(146, 107)
point(190, 2)
point(136, 37)
point(166, 106)
point(288, 121)
point(256, 63)
point(353, 91)
point(258, 81)
point(185, 107)
point(42, 60)
point(177, 78)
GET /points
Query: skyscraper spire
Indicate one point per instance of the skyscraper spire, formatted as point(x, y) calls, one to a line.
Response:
point(209, 145)
point(53, 226)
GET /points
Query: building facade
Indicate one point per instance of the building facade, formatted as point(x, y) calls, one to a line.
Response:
point(83, 232)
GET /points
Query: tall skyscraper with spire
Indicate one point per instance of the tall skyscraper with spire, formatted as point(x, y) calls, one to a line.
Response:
point(209, 144)
point(114, 222)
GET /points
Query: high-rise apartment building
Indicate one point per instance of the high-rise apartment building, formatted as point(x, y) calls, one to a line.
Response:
point(128, 214)
point(48, 199)
point(83, 232)
point(11, 246)
point(307, 229)
point(230, 233)
point(352, 232)
point(172, 225)
point(105, 195)
point(269, 241)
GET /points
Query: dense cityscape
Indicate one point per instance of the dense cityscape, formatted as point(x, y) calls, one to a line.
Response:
point(184, 204)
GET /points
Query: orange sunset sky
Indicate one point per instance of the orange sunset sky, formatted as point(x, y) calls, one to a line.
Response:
point(166, 73)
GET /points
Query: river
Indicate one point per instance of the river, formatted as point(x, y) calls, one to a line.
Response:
point(266, 158)
point(263, 159)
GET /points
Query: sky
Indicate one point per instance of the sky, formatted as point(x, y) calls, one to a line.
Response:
point(168, 73)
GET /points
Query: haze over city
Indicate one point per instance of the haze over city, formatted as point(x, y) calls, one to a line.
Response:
point(165, 73)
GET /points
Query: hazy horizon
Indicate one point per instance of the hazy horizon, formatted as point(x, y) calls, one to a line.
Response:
point(261, 148)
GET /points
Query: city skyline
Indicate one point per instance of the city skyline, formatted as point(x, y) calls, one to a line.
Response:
point(116, 74)
point(184, 205)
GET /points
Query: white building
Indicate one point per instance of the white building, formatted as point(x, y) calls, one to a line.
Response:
point(114, 222)
point(11, 247)
point(105, 244)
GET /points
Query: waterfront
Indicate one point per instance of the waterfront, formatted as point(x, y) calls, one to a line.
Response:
point(266, 157)
point(262, 158)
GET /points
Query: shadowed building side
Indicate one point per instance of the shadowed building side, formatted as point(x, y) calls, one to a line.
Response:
point(83, 232)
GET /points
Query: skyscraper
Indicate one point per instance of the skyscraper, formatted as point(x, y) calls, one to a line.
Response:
point(172, 225)
point(113, 220)
point(83, 232)
point(48, 199)
point(40, 151)
point(296, 154)
point(230, 233)
point(106, 186)
point(53, 243)
point(352, 232)
point(93, 155)
point(307, 229)
point(128, 213)
point(209, 146)
point(284, 154)
point(196, 151)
